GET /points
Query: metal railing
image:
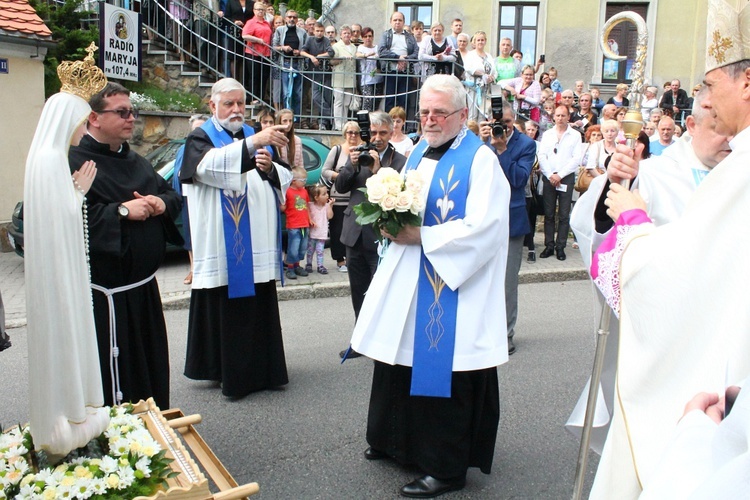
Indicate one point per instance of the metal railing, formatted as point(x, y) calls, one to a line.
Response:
point(320, 96)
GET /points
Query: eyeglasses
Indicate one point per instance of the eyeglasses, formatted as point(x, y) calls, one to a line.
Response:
point(291, 17)
point(437, 116)
point(124, 113)
point(351, 132)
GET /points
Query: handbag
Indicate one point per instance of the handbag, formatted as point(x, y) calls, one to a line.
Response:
point(584, 177)
point(355, 104)
point(327, 182)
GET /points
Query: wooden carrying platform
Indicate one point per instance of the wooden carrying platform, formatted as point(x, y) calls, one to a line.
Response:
point(190, 483)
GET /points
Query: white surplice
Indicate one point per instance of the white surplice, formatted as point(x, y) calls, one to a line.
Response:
point(469, 254)
point(706, 460)
point(666, 183)
point(220, 170)
point(684, 322)
point(65, 383)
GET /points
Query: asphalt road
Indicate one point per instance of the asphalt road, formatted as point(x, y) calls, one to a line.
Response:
point(306, 442)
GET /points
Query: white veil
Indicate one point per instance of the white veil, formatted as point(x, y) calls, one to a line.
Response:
point(65, 387)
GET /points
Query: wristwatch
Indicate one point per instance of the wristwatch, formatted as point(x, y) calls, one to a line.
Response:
point(123, 212)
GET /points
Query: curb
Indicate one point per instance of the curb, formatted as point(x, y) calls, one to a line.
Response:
point(175, 301)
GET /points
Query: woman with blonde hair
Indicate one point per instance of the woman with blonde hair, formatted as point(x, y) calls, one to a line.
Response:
point(480, 67)
point(291, 154)
point(336, 159)
point(601, 150)
point(619, 98)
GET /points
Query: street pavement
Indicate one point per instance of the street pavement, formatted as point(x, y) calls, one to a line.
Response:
point(176, 295)
point(306, 442)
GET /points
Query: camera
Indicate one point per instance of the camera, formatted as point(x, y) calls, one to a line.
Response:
point(364, 159)
point(498, 126)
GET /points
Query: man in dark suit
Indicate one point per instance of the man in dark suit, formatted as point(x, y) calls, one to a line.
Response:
point(675, 100)
point(516, 153)
point(360, 241)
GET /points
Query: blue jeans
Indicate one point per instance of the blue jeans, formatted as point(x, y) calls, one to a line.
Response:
point(296, 245)
point(293, 102)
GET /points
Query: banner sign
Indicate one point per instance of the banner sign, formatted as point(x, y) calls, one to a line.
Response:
point(120, 42)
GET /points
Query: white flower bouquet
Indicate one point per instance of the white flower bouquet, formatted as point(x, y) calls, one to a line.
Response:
point(392, 201)
point(124, 462)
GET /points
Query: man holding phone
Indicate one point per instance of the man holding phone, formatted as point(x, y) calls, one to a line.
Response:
point(516, 153)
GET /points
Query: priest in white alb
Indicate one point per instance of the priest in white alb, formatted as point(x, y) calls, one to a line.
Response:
point(684, 315)
point(430, 317)
point(666, 183)
point(235, 190)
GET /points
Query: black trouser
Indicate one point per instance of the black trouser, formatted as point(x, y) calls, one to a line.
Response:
point(361, 265)
point(528, 240)
point(562, 201)
point(257, 75)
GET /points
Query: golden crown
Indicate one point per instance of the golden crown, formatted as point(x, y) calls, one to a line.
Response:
point(82, 78)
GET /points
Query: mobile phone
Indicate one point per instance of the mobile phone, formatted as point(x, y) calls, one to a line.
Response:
point(541, 58)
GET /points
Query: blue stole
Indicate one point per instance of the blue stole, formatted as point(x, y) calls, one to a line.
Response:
point(176, 184)
point(437, 304)
point(236, 217)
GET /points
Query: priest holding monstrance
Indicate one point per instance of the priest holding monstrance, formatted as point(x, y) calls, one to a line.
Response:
point(431, 314)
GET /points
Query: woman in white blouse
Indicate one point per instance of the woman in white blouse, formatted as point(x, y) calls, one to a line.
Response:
point(480, 66)
point(600, 151)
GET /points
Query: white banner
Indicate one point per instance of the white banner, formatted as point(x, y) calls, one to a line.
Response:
point(120, 41)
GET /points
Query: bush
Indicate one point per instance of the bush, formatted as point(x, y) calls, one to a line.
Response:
point(151, 98)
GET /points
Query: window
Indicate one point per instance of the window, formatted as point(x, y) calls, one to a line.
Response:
point(518, 21)
point(622, 40)
point(416, 12)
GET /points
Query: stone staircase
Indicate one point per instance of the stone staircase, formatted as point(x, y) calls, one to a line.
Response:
point(165, 69)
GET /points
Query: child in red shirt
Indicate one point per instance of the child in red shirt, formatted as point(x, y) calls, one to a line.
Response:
point(297, 223)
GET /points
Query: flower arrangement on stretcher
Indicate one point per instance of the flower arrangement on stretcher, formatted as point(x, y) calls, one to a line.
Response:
point(124, 462)
point(393, 201)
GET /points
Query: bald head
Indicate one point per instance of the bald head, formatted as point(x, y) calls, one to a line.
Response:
point(666, 130)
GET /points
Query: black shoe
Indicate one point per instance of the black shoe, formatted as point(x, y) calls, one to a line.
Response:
point(547, 252)
point(373, 454)
point(532, 256)
point(5, 344)
point(430, 487)
point(560, 254)
point(352, 354)
point(511, 346)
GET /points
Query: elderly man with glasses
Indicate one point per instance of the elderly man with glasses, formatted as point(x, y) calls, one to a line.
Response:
point(131, 212)
point(430, 316)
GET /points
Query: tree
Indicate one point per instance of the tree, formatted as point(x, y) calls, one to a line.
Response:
point(71, 30)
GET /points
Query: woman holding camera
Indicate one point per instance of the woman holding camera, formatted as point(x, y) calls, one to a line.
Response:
point(336, 159)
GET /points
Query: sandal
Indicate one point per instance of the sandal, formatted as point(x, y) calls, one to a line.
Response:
point(188, 279)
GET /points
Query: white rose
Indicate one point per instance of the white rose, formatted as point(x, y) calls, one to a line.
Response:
point(395, 186)
point(376, 192)
point(414, 181)
point(417, 204)
point(403, 201)
point(388, 202)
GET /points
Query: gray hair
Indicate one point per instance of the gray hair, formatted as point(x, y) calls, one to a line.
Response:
point(198, 117)
point(735, 70)
point(464, 35)
point(509, 107)
point(380, 118)
point(449, 85)
point(223, 86)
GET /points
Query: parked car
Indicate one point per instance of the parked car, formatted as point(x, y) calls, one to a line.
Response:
point(162, 158)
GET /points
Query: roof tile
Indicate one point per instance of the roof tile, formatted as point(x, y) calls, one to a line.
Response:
point(17, 17)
